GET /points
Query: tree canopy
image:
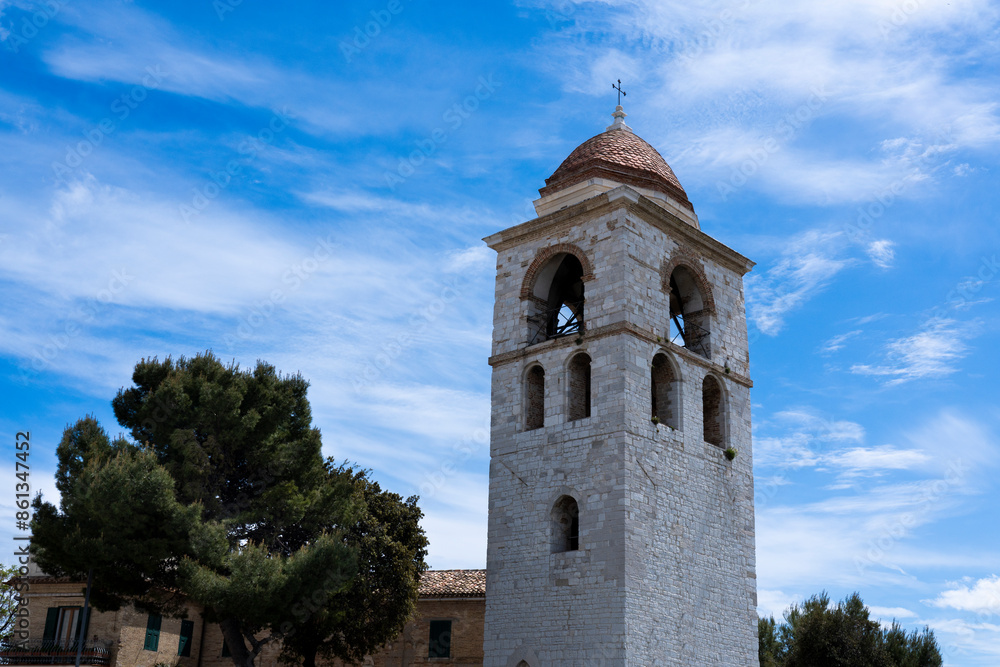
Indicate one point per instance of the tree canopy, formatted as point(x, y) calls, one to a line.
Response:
point(221, 496)
point(9, 597)
point(816, 634)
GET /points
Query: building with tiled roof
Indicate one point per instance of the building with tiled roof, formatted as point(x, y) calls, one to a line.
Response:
point(453, 584)
point(447, 628)
point(448, 625)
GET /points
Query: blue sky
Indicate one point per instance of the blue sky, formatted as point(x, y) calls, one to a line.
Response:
point(274, 183)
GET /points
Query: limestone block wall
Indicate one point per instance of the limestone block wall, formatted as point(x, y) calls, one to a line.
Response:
point(665, 571)
point(690, 564)
point(564, 607)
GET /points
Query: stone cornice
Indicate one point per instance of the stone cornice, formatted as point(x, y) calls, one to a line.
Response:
point(634, 203)
point(611, 330)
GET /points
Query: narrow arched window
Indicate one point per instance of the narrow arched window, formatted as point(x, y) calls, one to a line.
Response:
point(689, 315)
point(535, 399)
point(565, 525)
point(665, 400)
point(579, 387)
point(713, 411)
point(557, 308)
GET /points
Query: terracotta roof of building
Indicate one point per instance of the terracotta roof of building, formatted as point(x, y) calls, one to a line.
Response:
point(453, 583)
point(620, 155)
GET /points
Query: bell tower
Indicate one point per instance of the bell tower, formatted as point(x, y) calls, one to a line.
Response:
point(621, 520)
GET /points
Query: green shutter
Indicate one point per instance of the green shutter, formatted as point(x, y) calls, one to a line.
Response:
point(440, 640)
point(86, 626)
point(153, 632)
point(51, 621)
point(184, 645)
point(225, 650)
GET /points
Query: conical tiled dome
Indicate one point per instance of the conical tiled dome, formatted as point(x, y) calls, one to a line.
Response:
point(619, 155)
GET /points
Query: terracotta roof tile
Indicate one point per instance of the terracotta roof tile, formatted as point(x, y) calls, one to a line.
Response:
point(621, 155)
point(453, 583)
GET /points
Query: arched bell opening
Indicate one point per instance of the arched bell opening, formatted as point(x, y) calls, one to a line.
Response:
point(690, 314)
point(557, 299)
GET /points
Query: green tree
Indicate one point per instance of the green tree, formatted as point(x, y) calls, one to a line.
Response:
point(118, 515)
point(220, 496)
point(362, 618)
point(8, 602)
point(818, 635)
point(770, 649)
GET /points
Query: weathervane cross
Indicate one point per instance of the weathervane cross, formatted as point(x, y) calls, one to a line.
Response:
point(621, 92)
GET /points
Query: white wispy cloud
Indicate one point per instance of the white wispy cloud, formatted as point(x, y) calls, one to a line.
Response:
point(774, 602)
point(881, 253)
point(868, 319)
point(866, 533)
point(90, 232)
point(837, 342)
point(758, 74)
point(458, 539)
point(799, 438)
point(862, 536)
point(932, 352)
point(860, 460)
point(888, 613)
point(965, 642)
point(803, 448)
point(475, 258)
point(808, 263)
point(119, 42)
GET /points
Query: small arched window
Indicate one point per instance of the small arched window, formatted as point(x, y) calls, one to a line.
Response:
point(689, 313)
point(565, 525)
point(534, 399)
point(713, 411)
point(665, 395)
point(579, 387)
point(557, 307)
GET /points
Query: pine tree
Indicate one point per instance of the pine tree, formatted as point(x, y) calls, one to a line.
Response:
point(818, 635)
point(221, 496)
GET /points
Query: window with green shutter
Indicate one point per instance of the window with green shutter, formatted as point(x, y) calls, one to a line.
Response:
point(184, 644)
point(440, 640)
point(153, 632)
point(51, 622)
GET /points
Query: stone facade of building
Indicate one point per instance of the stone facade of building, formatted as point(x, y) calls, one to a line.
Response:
point(617, 539)
point(452, 601)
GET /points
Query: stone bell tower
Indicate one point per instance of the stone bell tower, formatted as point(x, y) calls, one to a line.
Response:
point(621, 521)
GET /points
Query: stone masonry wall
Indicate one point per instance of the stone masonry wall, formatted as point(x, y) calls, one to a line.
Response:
point(126, 629)
point(665, 571)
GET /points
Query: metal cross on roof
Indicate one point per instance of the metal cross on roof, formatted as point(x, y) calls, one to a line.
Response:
point(621, 93)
